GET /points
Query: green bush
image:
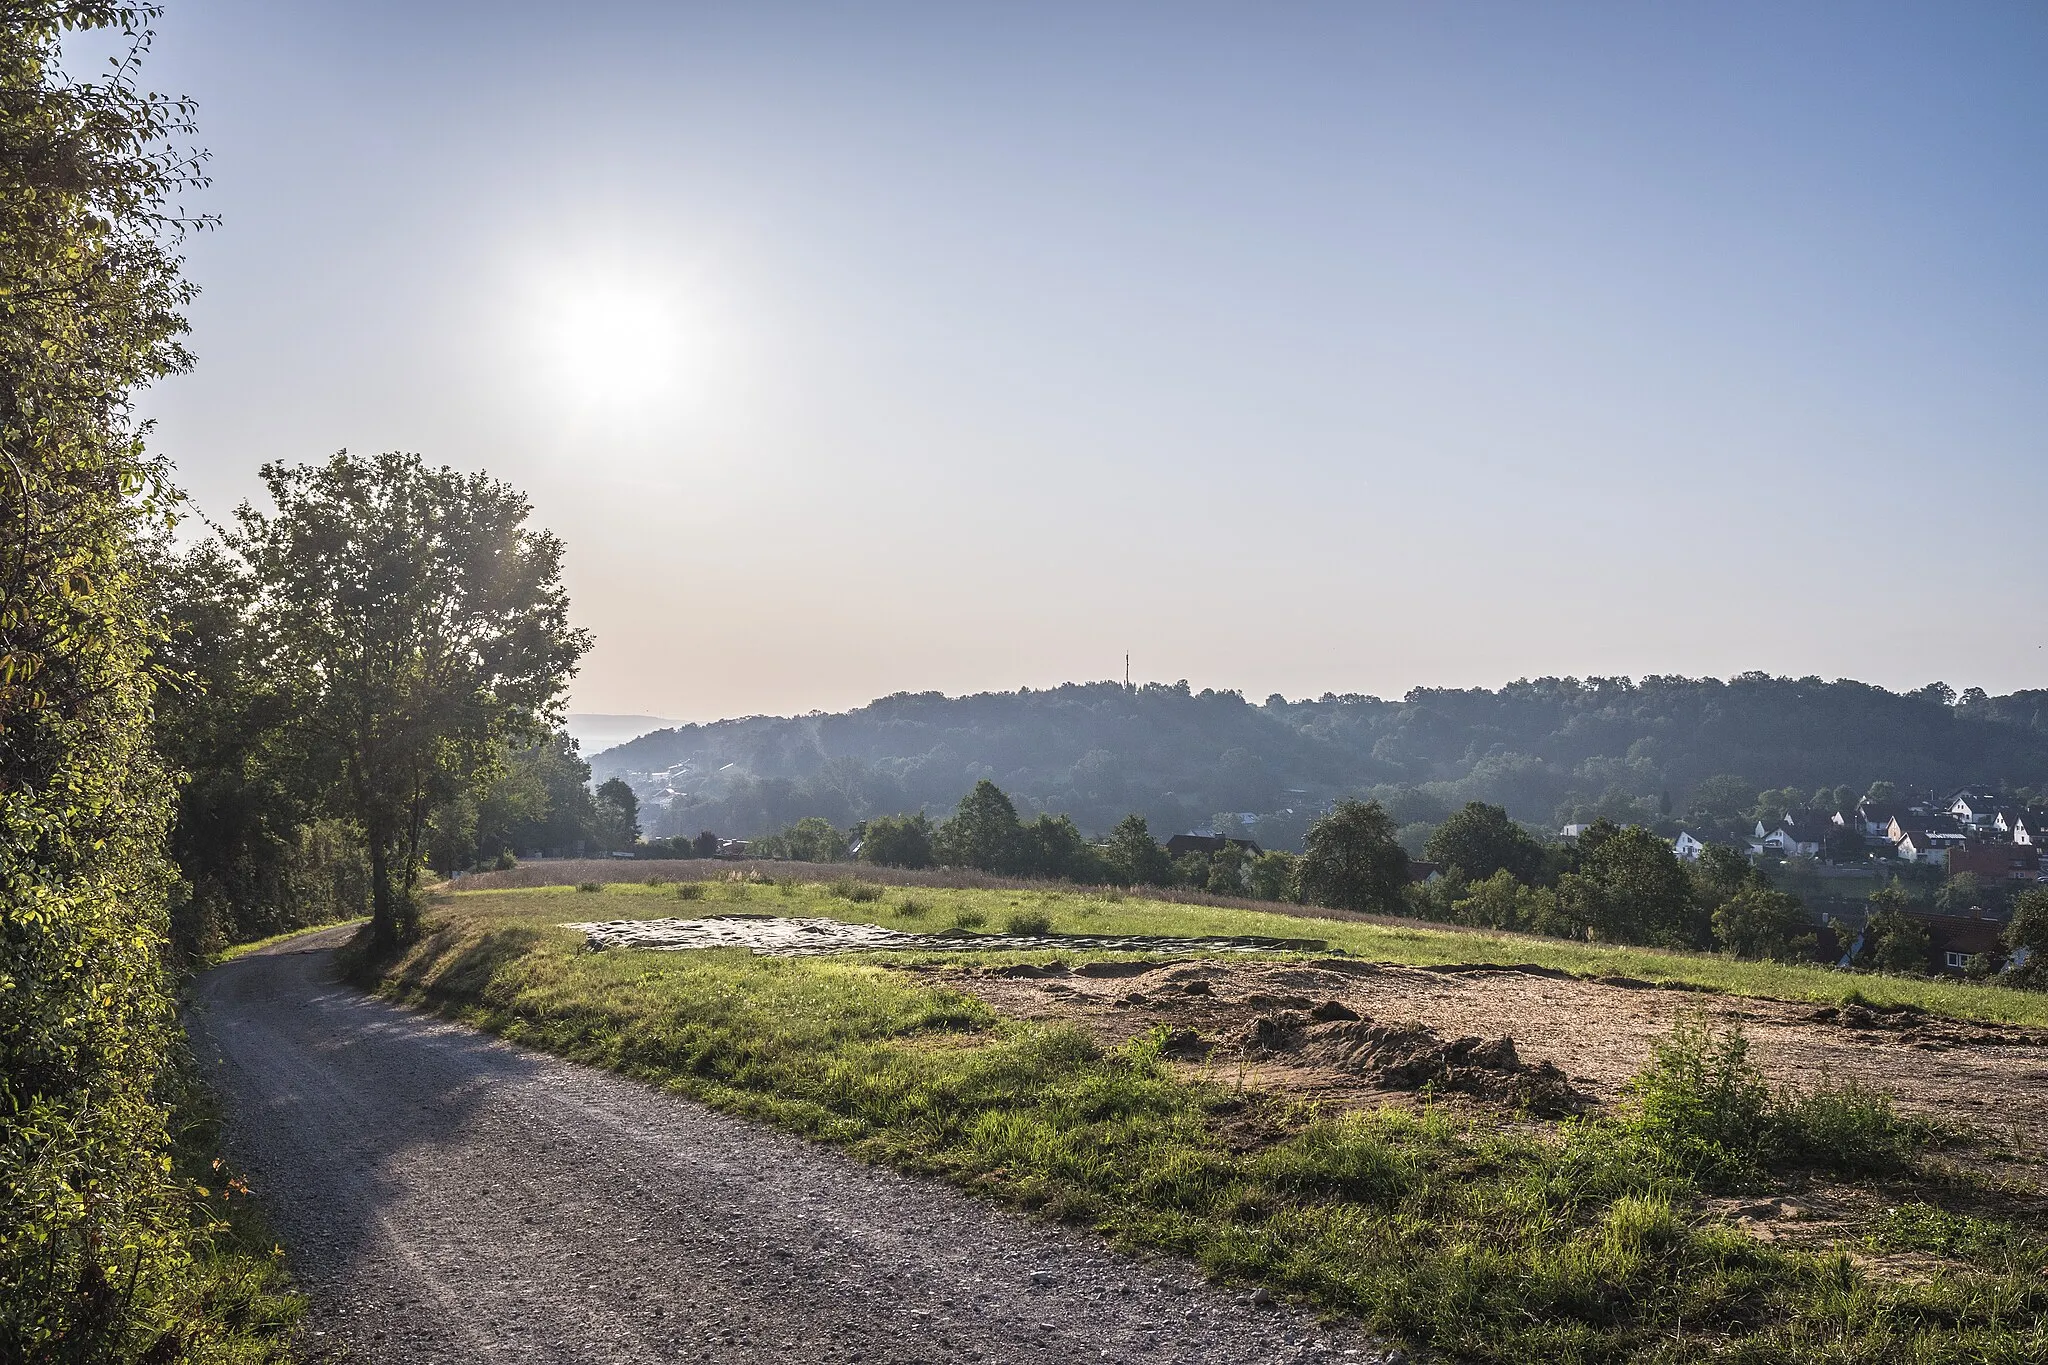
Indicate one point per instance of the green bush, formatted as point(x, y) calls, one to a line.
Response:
point(1848, 1129)
point(910, 907)
point(1028, 923)
point(855, 890)
point(95, 1244)
point(969, 919)
point(1701, 1102)
point(1703, 1107)
point(690, 891)
point(589, 886)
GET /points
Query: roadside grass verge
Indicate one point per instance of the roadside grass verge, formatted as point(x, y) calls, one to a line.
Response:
point(1577, 1242)
point(237, 1305)
point(1410, 942)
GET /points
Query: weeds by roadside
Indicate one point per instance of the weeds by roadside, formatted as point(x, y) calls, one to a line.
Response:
point(239, 1306)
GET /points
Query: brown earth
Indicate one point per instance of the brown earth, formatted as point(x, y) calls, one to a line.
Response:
point(1225, 1018)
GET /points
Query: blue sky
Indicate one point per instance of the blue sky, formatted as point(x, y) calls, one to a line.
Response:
point(1288, 347)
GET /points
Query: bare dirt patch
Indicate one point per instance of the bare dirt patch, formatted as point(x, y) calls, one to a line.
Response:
point(1597, 1034)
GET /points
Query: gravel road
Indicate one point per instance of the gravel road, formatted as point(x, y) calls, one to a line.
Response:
point(448, 1197)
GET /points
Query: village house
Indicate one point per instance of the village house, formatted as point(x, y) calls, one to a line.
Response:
point(1996, 862)
point(2028, 828)
point(1208, 845)
point(1918, 846)
point(1787, 838)
point(1952, 940)
point(1974, 807)
point(1687, 847)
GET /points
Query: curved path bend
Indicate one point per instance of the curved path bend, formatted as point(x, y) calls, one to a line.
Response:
point(447, 1197)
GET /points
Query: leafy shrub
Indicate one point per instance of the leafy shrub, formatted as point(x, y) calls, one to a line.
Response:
point(1028, 923)
point(855, 890)
point(1701, 1102)
point(657, 880)
point(589, 886)
point(1703, 1107)
point(505, 863)
point(690, 891)
point(969, 919)
point(910, 907)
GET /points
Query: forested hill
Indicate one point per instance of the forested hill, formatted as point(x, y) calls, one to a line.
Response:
point(1547, 749)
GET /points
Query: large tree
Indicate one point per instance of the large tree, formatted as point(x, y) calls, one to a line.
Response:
point(1480, 840)
point(1631, 888)
point(421, 625)
point(1352, 861)
point(983, 832)
point(1134, 858)
point(898, 841)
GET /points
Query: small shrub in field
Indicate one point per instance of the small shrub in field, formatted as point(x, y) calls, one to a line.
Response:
point(1114, 896)
point(690, 891)
point(657, 880)
point(506, 862)
point(910, 907)
point(1028, 923)
point(589, 886)
point(1849, 1129)
point(1703, 1105)
point(969, 919)
point(1701, 1102)
point(855, 890)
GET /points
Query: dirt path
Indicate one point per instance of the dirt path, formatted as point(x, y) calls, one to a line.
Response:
point(449, 1198)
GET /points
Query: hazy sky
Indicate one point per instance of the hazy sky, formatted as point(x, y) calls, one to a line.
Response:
point(857, 348)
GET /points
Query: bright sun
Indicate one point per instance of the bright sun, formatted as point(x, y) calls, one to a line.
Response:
point(614, 341)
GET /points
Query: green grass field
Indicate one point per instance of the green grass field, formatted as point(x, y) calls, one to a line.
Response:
point(1484, 1240)
point(1414, 943)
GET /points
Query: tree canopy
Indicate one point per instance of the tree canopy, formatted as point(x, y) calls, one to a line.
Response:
point(1353, 861)
point(420, 626)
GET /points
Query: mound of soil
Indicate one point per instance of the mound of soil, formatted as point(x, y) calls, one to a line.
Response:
point(1409, 1056)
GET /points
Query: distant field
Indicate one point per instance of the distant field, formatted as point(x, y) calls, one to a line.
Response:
point(1095, 911)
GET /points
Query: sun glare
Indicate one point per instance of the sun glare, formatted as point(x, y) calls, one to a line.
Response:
point(615, 341)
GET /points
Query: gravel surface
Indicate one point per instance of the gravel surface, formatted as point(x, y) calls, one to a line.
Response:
point(448, 1197)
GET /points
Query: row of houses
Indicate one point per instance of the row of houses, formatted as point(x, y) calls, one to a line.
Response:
point(1972, 831)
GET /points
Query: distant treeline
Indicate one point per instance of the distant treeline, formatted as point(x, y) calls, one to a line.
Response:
point(1610, 884)
point(1549, 750)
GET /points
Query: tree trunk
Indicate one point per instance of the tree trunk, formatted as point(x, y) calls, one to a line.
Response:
point(383, 916)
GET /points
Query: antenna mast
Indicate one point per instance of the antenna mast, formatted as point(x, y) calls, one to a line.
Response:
point(1127, 671)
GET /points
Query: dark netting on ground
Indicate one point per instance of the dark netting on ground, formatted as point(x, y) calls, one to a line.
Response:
point(780, 936)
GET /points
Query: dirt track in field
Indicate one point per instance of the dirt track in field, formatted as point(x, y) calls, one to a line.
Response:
point(1987, 1077)
point(448, 1198)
